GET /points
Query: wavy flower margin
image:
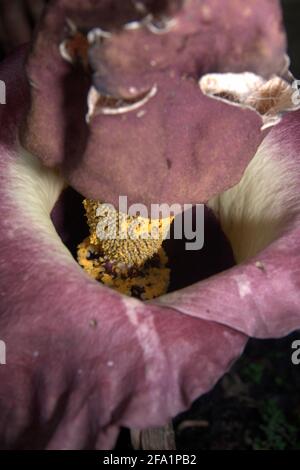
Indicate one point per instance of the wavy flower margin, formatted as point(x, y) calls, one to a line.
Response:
point(83, 360)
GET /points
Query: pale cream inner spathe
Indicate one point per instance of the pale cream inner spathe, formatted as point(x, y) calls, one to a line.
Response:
point(34, 190)
point(269, 98)
point(265, 202)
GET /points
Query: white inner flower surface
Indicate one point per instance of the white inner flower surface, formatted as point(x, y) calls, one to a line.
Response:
point(265, 202)
point(268, 98)
point(98, 104)
point(34, 191)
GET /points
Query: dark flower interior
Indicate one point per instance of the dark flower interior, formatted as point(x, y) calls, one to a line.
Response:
point(187, 267)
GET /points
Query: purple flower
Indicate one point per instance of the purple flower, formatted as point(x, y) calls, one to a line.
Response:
point(83, 360)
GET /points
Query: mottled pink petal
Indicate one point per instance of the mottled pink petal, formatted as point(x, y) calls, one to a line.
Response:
point(81, 359)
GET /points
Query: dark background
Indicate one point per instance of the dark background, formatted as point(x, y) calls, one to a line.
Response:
point(291, 12)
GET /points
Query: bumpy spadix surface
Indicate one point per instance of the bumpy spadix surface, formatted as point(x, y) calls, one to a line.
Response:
point(125, 251)
point(131, 240)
